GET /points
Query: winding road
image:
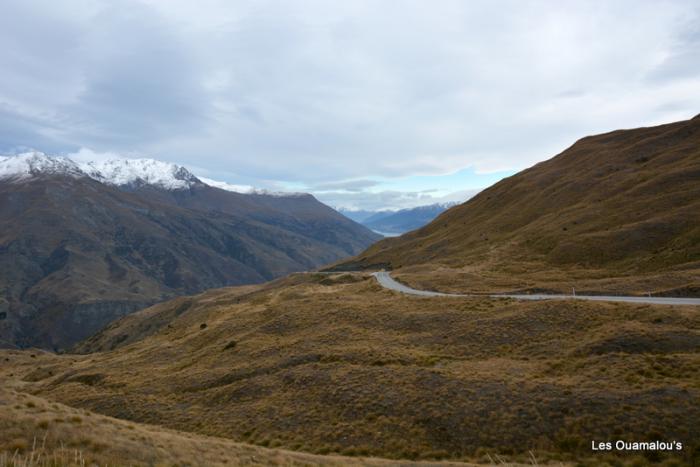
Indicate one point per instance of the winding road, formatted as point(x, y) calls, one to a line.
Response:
point(386, 281)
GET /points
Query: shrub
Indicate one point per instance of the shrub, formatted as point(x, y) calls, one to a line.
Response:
point(231, 345)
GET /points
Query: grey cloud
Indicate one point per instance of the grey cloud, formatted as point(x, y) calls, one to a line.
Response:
point(572, 93)
point(683, 60)
point(20, 132)
point(143, 88)
point(314, 91)
point(351, 185)
point(119, 80)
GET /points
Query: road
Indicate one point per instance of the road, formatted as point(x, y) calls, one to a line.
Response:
point(386, 281)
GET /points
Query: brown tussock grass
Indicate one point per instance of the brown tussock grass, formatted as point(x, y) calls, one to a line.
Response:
point(328, 365)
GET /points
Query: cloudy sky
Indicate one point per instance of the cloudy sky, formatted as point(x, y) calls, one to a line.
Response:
point(367, 104)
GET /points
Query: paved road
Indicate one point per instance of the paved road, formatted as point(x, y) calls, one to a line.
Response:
point(386, 281)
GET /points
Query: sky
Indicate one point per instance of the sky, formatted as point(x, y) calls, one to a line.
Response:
point(368, 104)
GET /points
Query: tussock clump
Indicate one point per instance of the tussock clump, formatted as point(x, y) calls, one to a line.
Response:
point(231, 345)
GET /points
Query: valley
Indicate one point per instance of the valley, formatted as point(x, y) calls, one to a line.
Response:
point(458, 343)
point(364, 233)
point(394, 223)
point(84, 245)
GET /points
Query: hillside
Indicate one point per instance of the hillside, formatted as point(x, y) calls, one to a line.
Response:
point(617, 212)
point(81, 247)
point(335, 364)
point(38, 432)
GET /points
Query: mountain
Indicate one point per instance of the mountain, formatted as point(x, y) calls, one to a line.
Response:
point(391, 223)
point(405, 220)
point(624, 204)
point(83, 244)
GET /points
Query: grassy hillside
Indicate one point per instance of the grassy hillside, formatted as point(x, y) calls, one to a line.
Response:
point(35, 432)
point(335, 364)
point(623, 204)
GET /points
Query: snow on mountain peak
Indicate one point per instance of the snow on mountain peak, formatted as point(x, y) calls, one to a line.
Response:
point(34, 163)
point(138, 172)
point(250, 190)
point(118, 172)
point(227, 186)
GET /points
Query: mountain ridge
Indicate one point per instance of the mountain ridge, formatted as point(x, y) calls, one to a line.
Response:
point(77, 253)
point(118, 171)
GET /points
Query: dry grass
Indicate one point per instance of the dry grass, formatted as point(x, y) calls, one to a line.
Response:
point(41, 456)
point(338, 365)
point(35, 432)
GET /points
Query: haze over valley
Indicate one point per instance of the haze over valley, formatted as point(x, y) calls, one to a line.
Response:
point(393, 223)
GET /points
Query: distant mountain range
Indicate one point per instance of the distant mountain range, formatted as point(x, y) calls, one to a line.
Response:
point(391, 223)
point(83, 244)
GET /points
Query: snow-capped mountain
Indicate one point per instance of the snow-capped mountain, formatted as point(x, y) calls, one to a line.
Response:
point(96, 240)
point(227, 186)
point(120, 172)
point(138, 172)
point(31, 164)
point(249, 190)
